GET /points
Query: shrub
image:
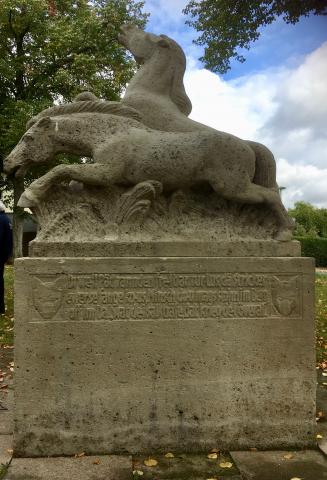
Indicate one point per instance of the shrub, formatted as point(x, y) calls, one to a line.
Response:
point(314, 247)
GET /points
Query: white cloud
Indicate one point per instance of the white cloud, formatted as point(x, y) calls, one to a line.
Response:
point(308, 183)
point(285, 109)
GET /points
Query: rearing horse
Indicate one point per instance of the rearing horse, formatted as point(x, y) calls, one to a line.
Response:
point(157, 92)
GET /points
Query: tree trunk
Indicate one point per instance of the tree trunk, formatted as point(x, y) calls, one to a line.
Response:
point(18, 218)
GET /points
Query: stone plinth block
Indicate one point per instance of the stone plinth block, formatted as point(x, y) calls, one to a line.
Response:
point(130, 355)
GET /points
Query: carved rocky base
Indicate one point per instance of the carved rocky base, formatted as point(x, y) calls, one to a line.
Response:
point(80, 213)
point(163, 354)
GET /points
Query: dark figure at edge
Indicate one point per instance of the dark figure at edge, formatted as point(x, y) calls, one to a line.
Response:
point(5, 250)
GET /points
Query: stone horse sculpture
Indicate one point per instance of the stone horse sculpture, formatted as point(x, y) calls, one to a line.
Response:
point(176, 151)
point(157, 92)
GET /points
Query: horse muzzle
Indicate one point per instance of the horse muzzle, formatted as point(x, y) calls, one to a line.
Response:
point(15, 170)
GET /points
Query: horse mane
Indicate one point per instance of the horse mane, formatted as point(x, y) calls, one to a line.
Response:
point(93, 106)
point(177, 91)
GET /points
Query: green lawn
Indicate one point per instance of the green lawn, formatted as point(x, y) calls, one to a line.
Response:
point(321, 320)
point(6, 321)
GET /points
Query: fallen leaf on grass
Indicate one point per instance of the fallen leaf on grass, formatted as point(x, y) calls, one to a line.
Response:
point(169, 455)
point(79, 455)
point(318, 435)
point(225, 465)
point(150, 462)
point(288, 456)
point(295, 478)
point(138, 472)
point(212, 456)
point(96, 462)
point(211, 478)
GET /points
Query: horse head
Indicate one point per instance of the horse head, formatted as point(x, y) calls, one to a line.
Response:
point(141, 44)
point(169, 57)
point(35, 147)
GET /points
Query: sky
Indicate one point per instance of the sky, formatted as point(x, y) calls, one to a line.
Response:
point(277, 97)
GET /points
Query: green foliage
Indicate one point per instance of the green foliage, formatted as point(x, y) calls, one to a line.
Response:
point(53, 49)
point(311, 231)
point(314, 247)
point(3, 471)
point(227, 25)
point(310, 221)
point(321, 320)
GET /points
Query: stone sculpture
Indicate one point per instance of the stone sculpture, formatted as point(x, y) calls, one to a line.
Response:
point(148, 138)
point(157, 303)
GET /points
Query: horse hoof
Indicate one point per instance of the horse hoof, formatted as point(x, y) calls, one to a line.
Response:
point(283, 236)
point(27, 199)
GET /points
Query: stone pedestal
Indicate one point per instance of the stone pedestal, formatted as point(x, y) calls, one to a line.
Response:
point(164, 353)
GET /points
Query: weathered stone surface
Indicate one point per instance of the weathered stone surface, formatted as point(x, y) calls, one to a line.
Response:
point(5, 449)
point(255, 248)
point(308, 465)
point(107, 467)
point(6, 422)
point(143, 354)
point(75, 213)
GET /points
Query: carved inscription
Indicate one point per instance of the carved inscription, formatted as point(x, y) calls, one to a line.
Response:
point(109, 297)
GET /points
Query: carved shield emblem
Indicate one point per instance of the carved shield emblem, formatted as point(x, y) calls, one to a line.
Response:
point(284, 306)
point(47, 297)
point(285, 295)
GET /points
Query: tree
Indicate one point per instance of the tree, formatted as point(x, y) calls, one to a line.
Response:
point(50, 50)
point(310, 221)
point(227, 25)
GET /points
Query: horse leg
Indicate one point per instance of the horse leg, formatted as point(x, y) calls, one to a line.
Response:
point(92, 174)
point(255, 194)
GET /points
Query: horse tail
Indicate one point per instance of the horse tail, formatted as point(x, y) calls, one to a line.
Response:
point(265, 166)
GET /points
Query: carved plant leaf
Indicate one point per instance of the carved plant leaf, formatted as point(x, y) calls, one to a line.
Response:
point(138, 211)
point(137, 200)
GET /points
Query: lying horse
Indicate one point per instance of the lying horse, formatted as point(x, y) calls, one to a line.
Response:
point(125, 152)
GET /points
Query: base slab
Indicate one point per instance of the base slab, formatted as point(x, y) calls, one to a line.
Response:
point(131, 355)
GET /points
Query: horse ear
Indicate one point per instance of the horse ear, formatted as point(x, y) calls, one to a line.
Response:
point(44, 122)
point(163, 42)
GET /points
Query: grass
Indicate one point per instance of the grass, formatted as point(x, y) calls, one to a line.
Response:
point(6, 320)
point(321, 320)
point(3, 471)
